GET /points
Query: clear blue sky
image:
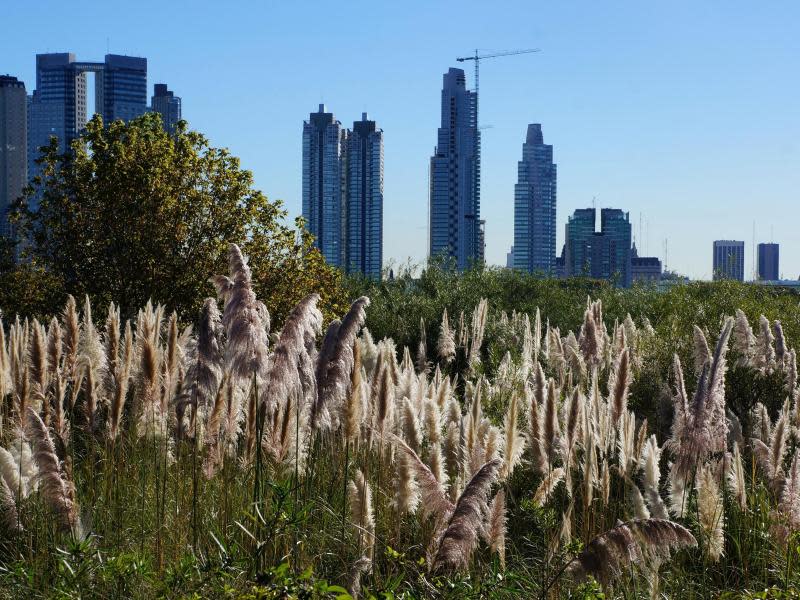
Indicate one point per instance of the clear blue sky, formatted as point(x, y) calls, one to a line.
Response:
point(686, 113)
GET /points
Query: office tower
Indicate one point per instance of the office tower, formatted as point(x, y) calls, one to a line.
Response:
point(616, 226)
point(58, 106)
point(13, 146)
point(364, 243)
point(645, 269)
point(768, 262)
point(604, 254)
point(325, 183)
point(124, 87)
point(579, 230)
point(535, 206)
point(728, 260)
point(455, 230)
point(167, 104)
point(510, 258)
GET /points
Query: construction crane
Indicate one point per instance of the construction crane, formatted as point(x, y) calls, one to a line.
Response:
point(479, 57)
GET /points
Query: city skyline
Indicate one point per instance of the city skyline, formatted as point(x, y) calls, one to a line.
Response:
point(624, 131)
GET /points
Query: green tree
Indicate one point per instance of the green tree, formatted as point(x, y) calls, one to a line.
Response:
point(133, 213)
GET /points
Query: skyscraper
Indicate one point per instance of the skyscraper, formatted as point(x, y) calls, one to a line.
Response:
point(58, 106)
point(167, 104)
point(728, 260)
point(535, 205)
point(13, 144)
point(604, 254)
point(124, 86)
point(364, 195)
point(769, 262)
point(325, 183)
point(616, 226)
point(454, 213)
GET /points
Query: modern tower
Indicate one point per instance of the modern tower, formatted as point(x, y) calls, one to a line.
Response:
point(604, 254)
point(58, 106)
point(769, 262)
point(535, 206)
point(455, 230)
point(728, 260)
point(325, 183)
point(364, 235)
point(13, 145)
point(167, 104)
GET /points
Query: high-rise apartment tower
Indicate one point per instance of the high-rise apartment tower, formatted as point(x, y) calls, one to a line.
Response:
point(455, 227)
point(535, 206)
point(13, 145)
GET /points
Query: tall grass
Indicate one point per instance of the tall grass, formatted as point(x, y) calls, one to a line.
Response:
point(142, 458)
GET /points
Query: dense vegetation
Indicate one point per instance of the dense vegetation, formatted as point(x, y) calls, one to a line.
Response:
point(131, 213)
point(494, 456)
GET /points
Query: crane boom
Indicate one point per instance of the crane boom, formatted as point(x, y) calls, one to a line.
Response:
point(507, 53)
point(477, 149)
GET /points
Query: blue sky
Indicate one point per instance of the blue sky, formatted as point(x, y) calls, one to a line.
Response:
point(686, 114)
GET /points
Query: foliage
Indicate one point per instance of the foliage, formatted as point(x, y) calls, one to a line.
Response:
point(132, 213)
point(219, 484)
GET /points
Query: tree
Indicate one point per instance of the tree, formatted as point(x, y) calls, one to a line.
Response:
point(132, 213)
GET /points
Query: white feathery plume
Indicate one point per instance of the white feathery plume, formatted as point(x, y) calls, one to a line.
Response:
point(651, 456)
point(57, 490)
point(496, 526)
point(618, 384)
point(763, 351)
point(406, 492)
point(701, 352)
point(245, 319)
point(460, 537)
point(432, 421)
point(780, 342)
point(446, 346)
point(736, 478)
point(548, 485)
point(710, 512)
point(361, 513)
point(514, 439)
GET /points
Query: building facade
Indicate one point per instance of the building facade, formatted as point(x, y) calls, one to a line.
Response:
point(13, 146)
point(455, 228)
point(167, 104)
point(645, 269)
point(364, 194)
point(535, 206)
point(58, 105)
point(728, 260)
point(769, 262)
point(325, 183)
point(604, 254)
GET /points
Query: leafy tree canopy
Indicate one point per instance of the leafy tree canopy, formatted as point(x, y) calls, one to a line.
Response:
point(133, 213)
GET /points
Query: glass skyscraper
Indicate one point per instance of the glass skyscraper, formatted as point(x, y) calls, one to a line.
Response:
point(58, 106)
point(325, 183)
point(604, 254)
point(167, 104)
point(343, 191)
point(769, 262)
point(455, 226)
point(535, 206)
point(364, 244)
point(13, 144)
point(728, 260)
